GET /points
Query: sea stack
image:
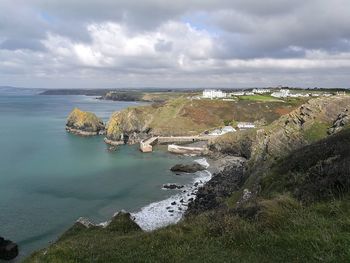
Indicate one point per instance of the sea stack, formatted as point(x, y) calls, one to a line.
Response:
point(84, 123)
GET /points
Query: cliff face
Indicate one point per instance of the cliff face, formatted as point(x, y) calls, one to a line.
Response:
point(84, 123)
point(309, 123)
point(129, 126)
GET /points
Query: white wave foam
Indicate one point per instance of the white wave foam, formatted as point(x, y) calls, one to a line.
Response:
point(170, 211)
point(203, 162)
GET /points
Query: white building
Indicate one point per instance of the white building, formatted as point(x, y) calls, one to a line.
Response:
point(282, 93)
point(261, 91)
point(245, 125)
point(237, 93)
point(222, 131)
point(227, 129)
point(215, 132)
point(212, 93)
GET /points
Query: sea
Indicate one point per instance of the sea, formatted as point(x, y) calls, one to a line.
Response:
point(50, 178)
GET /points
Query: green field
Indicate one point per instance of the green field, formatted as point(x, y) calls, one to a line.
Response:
point(265, 98)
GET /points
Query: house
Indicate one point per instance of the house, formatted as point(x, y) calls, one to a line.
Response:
point(215, 132)
point(282, 93)
point(237, 93)
point(222, 131)
point(227, 129)
point(212, 93)
point(245, 125)
point(261, 91)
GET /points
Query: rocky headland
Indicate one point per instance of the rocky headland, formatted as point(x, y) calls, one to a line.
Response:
point(185, 117)
point(84, 123)
point(276, 192)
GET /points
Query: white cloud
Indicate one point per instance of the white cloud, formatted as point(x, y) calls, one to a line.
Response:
point(114, 46)
point(184, 43)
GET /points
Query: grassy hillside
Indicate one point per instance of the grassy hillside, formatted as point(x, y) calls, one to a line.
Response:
point(183, 116)
point(320, 171)
point(284, 232)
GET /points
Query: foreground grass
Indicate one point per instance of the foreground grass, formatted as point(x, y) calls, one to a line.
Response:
point(282, 231)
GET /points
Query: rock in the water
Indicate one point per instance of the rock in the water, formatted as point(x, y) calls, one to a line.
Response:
point(8, 249)
point(172, 186)
point(173, 203)
point(188, 168)
point(84, 123)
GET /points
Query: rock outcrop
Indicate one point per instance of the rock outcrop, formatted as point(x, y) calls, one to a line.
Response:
point(308, 123)
point(222, 185)
point(128, 126)
point(8, 249)
point(84, 123)
point(172, 186)
point(342, 120)
point(187, 168)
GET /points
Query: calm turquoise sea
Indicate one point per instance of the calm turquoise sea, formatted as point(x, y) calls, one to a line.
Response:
point(49, 178)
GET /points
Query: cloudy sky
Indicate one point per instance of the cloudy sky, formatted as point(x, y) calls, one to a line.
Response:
point(182, 43)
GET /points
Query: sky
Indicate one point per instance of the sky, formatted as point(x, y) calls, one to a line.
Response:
point(169, 44)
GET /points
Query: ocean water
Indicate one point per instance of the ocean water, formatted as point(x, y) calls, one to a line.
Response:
point(49, 178)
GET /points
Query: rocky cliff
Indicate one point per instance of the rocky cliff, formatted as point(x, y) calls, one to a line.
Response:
point(129, 126)
point(312, 121)
point(84, 123)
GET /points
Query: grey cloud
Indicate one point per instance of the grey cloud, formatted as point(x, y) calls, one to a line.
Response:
point(163, 46)
point(16, 44)
point(240, 29)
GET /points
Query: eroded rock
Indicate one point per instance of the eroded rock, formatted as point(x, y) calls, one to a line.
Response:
point(188, 168)
point(84, 123)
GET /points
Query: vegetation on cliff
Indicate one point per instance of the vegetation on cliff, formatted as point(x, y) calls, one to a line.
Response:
point(308, 123)
point(84, 123)
point(183, 116)
point(147, 96)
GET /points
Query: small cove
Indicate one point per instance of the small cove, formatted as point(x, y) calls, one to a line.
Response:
point(49, 178)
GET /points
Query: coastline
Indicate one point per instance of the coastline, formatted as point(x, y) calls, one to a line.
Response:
point(171, 210)
point(167, 211)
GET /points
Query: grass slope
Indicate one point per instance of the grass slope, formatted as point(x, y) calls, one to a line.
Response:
point(285, 231)
point(182, 116)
